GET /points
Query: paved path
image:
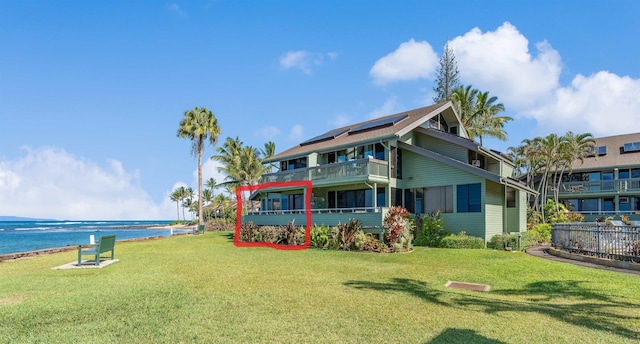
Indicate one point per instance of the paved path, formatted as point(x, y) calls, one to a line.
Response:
point(541, 251)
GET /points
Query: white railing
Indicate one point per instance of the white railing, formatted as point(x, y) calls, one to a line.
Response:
point(354, 168)
point(318, 211)
point(619, 185)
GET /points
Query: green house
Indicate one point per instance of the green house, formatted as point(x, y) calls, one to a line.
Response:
point(420, 159)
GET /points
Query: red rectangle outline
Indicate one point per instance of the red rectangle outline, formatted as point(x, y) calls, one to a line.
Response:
point(251, 188)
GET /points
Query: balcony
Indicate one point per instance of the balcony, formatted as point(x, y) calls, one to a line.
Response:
point(350, 171)
point(599, 186)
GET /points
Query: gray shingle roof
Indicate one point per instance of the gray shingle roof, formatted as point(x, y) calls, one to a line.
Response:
point(414, 118)
point(614, 157)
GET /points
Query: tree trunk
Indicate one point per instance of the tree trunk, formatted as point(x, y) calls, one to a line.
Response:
point(200, 149)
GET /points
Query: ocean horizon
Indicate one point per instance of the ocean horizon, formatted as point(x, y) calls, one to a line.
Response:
point(23, 236)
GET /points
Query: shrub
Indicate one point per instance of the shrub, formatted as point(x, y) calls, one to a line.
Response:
point(431, 230)
point(462, 240)
point(348, 233)
point(374, 245)
point(360, 240)
point(247, 231)
point(502, 241)
point(320, 236)
point(539, 234)
point(397, 225)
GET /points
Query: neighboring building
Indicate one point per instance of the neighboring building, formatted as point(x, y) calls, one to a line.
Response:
point(607, 182)
point(420, 159)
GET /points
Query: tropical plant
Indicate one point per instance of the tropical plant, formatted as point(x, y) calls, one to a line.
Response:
point(268, 151)
point(447, 76)
point(550, 156)
point(431, 230)
point(176, 197)
point(212, 184)
point(479, 113)
point(397, 225)
point(319, 236)
point(199, 125)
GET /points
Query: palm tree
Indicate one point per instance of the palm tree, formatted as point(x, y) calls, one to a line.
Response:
point(175, 197)
point(485, 121)
point(188, 202)
point(464, 101)
point(199, 125)
point(211, 184)
point(479, 113)
point(268, 151)
point(229, 155)
point(182, 194)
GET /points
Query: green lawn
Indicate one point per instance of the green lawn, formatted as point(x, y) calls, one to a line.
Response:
point(202, 289)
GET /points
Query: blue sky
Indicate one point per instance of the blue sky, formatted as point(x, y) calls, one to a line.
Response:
point(91, 92)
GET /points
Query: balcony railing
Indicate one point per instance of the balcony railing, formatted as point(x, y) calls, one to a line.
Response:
point(596, 186)
point(354, 168)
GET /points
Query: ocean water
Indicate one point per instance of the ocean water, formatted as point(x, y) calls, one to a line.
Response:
point(22, 236)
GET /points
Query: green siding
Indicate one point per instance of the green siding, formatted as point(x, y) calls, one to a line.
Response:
point(442, 147)
point(419, 171)
point(494, 209)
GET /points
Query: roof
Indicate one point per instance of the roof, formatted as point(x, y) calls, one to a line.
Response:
point(350, 135)
point(614, 156)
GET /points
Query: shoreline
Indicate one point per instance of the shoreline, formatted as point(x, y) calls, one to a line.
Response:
point(182, 229)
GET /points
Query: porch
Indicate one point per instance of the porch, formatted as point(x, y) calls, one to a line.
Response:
point(368, 169)
point(370, 217)
point(599, 186)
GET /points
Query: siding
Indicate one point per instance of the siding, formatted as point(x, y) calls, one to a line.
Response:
point(442, 147)
point(494, 209)
point(419, 171)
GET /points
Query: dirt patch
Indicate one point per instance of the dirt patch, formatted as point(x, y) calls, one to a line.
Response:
point(11, 300)
point(468, 286)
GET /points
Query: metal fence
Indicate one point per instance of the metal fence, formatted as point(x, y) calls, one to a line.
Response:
point(599, 240)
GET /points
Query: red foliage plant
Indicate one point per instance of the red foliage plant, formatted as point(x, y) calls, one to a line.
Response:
point(396, 220)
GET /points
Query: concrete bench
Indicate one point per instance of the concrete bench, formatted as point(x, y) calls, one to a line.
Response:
point(105, 244)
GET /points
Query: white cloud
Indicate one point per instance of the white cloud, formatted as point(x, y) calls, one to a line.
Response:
point(412, 60)
point(296, 133)
point(389, 107)
point(269, 132)
point(528, 84)
point(603, 104)
point(52, 183)
point(301, 59)
point(500, 62)
point(209, 170)
point(340, 121)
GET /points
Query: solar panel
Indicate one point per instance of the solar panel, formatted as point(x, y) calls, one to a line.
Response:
point(330, 135)
point(378, 124)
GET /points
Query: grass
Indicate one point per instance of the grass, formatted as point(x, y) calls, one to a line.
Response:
point(202, 289)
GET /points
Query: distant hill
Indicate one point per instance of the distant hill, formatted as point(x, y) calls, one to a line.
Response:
point(16, 218)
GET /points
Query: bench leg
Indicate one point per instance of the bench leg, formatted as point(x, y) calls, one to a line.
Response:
point(97, 259)
point(79, 257)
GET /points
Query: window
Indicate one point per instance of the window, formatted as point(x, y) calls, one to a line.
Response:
point(635, 173)
point(469, 198)
point(354, 198)
point(382, 197)
point(600, 150)
point(623, 174)
point(589, 204)
point(395, 155)
point(439, 198)
point(631, 147)
point(409, 200)
point(293, 164)
point(511, 198)
point(607, 204)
